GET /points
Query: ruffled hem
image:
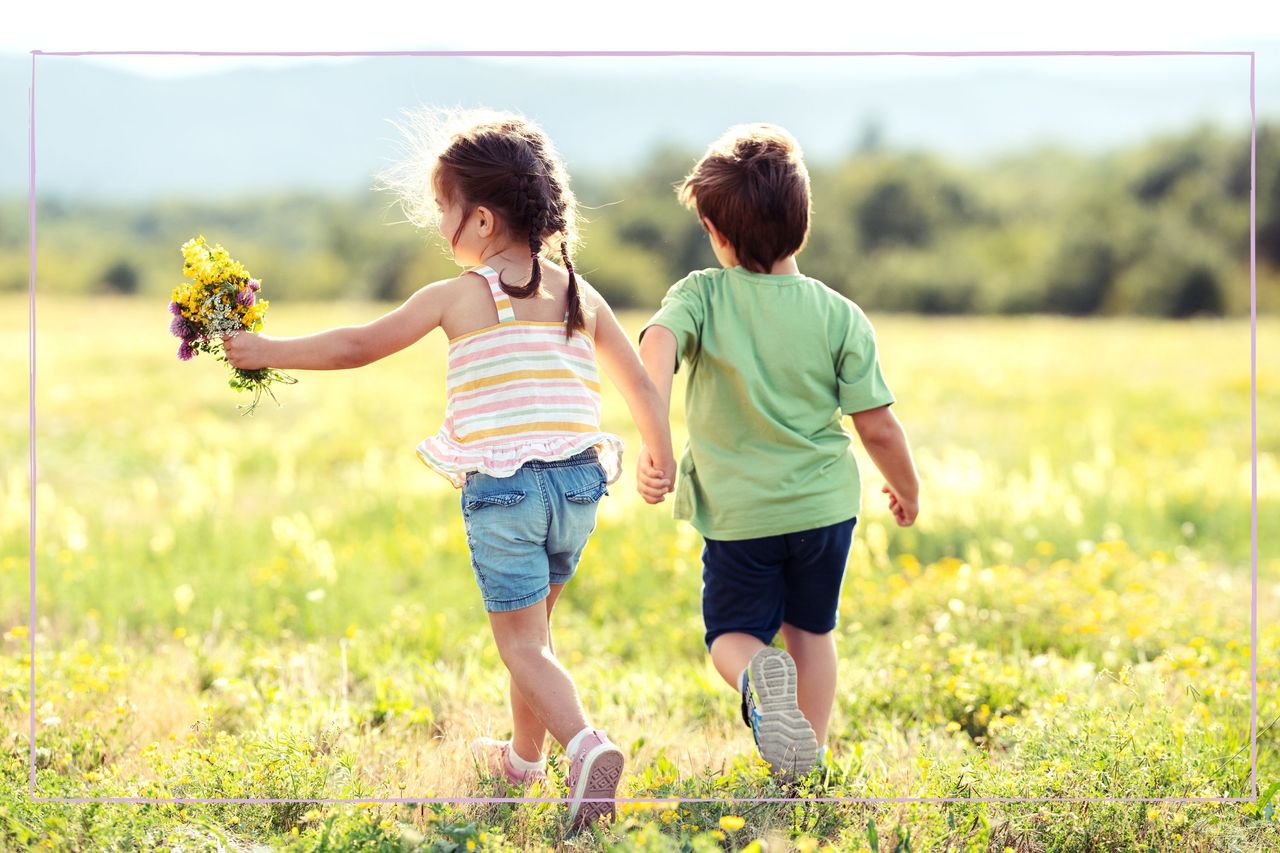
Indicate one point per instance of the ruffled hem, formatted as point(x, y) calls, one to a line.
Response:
point(503, 461)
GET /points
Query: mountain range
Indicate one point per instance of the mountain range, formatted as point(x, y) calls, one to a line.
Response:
point(106, 133)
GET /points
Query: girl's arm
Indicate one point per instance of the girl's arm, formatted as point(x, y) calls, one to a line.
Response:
point(648, 408)
point(886, 443)
point(658, 354)
point(345, 346)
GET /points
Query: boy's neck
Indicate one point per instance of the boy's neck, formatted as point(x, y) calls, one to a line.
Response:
point(783, 266)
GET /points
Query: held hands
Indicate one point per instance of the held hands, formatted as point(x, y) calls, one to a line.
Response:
point(245, 350)
point(655, 477)
point(904, 511)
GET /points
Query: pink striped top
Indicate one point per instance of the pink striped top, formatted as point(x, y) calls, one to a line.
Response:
point(518, 391)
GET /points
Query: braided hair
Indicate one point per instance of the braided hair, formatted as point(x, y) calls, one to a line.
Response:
point(508, 165)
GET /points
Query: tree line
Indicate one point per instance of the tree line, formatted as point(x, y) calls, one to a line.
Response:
point(1159, 229)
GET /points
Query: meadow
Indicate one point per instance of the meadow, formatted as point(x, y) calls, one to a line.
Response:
point(281, 606)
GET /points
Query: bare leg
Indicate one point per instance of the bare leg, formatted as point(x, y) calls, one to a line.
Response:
point(524, 642)
point(731, 653)
point(528, 735)
point(815, 657)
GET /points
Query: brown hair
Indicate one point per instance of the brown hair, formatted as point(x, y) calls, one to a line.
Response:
point(752, 185)
point(500, 161)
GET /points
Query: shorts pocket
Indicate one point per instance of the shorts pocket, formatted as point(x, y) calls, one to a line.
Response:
point(471, 503)
point(588, 494)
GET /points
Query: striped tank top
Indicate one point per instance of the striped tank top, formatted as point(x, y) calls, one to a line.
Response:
point(518, 391)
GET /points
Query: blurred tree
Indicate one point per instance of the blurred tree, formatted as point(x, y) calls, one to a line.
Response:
point(121, 277)
point(1176, 272)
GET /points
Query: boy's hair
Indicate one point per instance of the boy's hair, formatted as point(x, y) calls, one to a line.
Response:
point(752, 185)
point(504, 162)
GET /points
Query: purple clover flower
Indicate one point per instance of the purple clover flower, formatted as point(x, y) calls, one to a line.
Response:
point(185, 352)
point(246, 298)
point(180, 328)
point(175, 309)
point(254, 285)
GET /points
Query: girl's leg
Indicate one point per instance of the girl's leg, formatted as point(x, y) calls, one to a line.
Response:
point(528, 734)
point(731, 652)
point(815, 657)
point(524, 642)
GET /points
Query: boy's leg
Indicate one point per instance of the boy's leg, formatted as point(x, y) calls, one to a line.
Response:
point(731, 653)
point(524, 642)
point(528, 734)
point(815, 573)
point(815, 657)
point(742, 600)
point(742, 607)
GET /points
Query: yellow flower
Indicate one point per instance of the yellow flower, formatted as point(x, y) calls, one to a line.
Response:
point(732, 823)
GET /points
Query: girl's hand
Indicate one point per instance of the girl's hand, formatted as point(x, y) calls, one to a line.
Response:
point(654, 477)
point(904, 512)
point(246, 350)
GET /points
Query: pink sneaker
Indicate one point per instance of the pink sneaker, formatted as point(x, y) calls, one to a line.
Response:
point(594, 773)
point(495, 757)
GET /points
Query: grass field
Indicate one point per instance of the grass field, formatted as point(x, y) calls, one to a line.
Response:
point(281, 607)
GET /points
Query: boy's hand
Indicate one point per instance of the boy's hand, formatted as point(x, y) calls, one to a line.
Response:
point(654, 477)
point(245, 350)
point(904, 512)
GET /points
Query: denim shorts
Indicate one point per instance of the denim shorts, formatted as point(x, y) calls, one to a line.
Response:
point(527, 531)
point(752, 586)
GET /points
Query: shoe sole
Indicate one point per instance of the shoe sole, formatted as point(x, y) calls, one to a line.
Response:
point(787, 741)
point(601, 773)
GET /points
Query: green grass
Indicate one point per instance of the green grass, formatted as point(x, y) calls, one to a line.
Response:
point(281, 607)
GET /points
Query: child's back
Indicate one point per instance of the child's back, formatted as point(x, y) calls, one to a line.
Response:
point(773, 360)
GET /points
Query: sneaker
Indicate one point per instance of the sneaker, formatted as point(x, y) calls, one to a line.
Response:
point(495, 757)
point(782, 734)
point(594, 773)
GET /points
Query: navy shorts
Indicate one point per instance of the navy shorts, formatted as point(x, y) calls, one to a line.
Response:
point(752, 586)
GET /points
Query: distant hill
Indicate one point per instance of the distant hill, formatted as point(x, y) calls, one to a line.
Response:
point(103, 132)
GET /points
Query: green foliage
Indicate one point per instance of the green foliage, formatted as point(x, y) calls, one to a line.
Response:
point(1158, 229)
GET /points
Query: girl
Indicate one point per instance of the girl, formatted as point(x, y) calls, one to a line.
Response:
point(521, 434)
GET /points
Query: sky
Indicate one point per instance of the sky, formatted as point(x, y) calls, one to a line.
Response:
point(577, 25)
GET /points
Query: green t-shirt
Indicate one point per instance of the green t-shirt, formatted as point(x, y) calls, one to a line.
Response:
point(773, 361)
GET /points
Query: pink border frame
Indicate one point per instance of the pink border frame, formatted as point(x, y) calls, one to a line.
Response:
point(1253, 413)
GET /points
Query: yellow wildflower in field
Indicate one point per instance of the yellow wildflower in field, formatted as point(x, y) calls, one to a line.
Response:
point(182, 598)
point(732, 823)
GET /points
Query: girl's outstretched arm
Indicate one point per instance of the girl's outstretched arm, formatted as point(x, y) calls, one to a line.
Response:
point(648, 409)
point(345, 346)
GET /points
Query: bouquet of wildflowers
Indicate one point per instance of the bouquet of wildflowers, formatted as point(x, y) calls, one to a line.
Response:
point(221, 299)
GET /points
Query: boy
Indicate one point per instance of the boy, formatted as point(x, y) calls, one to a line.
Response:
point(767, 477)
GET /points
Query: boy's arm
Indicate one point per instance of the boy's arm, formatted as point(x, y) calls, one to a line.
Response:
point(345, 346)
point(886, 443)
point(648, 406)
